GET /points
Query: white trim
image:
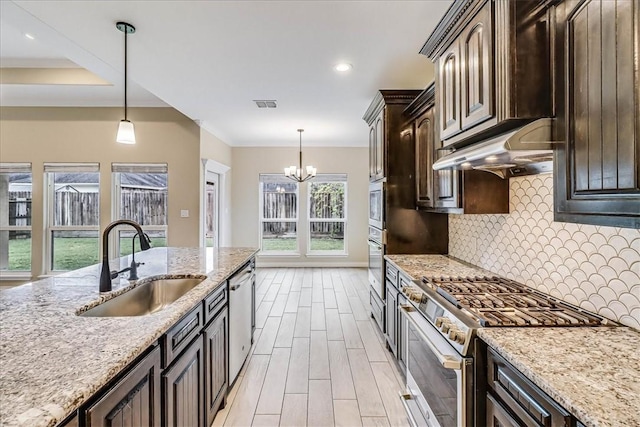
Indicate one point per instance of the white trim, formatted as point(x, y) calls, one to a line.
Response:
point(344, 264)
point(15, 274)
point(278, 254)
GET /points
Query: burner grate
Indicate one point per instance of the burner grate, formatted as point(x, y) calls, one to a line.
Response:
point(495, 301)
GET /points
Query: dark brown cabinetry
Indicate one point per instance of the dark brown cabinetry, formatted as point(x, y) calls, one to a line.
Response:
point(492, 68)
point(391, 330)
point(383, 117)
point(472, 192)
point(183, 389)
point(133, 401)
point(513, 400)
point(215, 368)
point(597, 170)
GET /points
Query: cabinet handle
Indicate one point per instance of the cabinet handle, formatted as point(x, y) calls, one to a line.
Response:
point(184, 332)
point(524, 398)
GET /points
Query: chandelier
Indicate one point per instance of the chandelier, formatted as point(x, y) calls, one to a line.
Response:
point(294, 173)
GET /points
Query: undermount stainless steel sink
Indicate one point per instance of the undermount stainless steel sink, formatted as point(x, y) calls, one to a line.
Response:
point(147, 298)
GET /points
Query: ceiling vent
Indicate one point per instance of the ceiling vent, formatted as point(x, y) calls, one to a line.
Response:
point(265, 103)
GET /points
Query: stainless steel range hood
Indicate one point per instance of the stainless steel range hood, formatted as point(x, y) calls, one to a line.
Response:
point(527, 150)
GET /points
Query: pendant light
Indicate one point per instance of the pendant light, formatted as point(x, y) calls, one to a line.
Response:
point(126, 133)
point(294, 173)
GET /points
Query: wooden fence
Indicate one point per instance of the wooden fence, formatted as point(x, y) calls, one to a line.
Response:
point(76, 209)
point(323, 205)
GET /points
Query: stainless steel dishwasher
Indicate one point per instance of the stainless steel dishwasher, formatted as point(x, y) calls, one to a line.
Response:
point(240, 307)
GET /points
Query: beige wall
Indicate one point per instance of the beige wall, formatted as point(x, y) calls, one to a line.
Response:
point(249, 162)
point(597, 268)
point(164, 135)
point(216, 155)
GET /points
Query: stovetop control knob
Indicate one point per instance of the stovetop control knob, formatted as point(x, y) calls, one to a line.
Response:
point(456, 335)
point(440, 321)
point(446, 325)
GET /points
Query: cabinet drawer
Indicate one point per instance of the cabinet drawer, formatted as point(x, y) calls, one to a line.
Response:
point(377, 309)
point(215, 302)
point(179, 337)
point(403, 281)
point(392, 273)
point(530, 404)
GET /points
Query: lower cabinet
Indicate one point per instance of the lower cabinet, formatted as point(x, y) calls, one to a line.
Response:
point(403, 348)
point(183, 388)
point(133, 401)
point(392, 318)
point(215, 365)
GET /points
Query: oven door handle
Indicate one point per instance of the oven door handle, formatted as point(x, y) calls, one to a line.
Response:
point(446, 360)
point(375, 244)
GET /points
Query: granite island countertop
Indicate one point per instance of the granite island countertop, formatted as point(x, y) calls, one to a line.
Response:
point(594, 373)
point(52, 360)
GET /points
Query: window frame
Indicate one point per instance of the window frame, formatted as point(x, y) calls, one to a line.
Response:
point(328, 178)
point(116, 197)
point(8, 168)
point(262, 220)
point(49, 216)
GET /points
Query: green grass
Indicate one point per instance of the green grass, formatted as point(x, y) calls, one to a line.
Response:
point(317, 244)
point(70, 253)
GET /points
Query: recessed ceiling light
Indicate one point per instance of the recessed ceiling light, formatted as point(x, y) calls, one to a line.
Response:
point(29, 36)
point(342, 67)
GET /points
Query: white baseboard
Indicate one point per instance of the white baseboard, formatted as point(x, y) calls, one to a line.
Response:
point(317, 264)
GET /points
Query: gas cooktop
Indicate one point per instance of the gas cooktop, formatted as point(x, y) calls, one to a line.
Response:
point(495, 301)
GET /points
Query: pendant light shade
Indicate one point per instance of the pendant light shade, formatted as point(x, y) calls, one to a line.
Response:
point(295, 173)
point(126, 133)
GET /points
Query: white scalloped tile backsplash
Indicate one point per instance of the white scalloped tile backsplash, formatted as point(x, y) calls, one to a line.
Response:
point(595, 267)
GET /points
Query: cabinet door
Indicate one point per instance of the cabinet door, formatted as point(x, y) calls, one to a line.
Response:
point(183, 389)
point(403, 348)
point(598, 170)
point(392, 315)
point(134, 401)
point(447, 183)
point(215, 368)
point(448, 91)
point(476, 58)
point(380, 145)
point(424, 147)
point(372, 153)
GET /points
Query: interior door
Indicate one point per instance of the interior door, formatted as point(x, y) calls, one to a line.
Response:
point(212, 207)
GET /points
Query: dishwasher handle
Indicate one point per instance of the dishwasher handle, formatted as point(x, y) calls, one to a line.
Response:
point(240, 278)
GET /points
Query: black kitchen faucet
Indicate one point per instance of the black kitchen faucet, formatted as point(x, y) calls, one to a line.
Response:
point(105, 274)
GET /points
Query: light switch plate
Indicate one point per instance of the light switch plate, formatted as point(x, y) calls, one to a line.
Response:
point(184, 213)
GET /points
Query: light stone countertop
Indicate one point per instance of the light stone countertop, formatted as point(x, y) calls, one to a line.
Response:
point(51, 360)
point(594, 373)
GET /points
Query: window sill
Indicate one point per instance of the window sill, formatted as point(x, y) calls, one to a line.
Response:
point(15, 275)
point(278, 254)
point(327, 254)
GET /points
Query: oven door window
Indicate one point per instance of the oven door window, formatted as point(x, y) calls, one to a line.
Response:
point(437, 385)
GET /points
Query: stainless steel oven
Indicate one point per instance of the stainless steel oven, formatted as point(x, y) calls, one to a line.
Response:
point(376, 254)
point(439, 380)
point(376, 205)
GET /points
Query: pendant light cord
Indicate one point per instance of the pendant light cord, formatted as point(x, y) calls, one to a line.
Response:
point(125, 71)
point(300, 131)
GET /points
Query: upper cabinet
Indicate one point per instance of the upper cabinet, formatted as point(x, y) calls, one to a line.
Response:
point(384, 117)
point(447, 190)
point(597, 171)
point(492, 68)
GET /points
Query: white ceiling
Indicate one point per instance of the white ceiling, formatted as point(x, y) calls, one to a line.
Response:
point(210, 59)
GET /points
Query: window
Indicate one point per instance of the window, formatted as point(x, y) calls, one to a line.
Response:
point(140, 194)
point(15, 217)
point(73, 215)
point(278, 214)
point(327, 214)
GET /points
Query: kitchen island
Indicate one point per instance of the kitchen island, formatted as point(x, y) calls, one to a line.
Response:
point(54, 360)
point(593, 372)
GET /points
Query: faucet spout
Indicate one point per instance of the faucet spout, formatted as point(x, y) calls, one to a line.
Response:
point(105, 274)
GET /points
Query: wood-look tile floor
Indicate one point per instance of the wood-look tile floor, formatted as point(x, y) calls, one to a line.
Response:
point(318, 358)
